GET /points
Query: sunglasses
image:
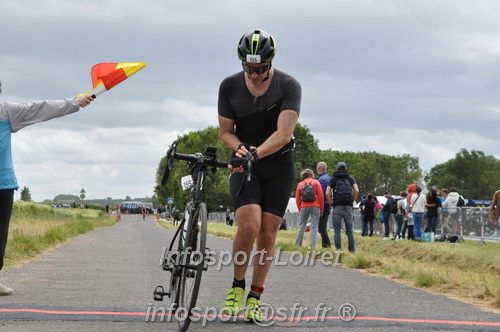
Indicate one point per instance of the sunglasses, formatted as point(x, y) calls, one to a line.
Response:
point(258, 70)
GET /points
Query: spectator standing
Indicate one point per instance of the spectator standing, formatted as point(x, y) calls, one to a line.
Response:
point(345, 191)
point(323, 179)
point(454, 213)
point(388, 217)
point(408, 223)
point(177, 215)
point(307, 207)
point(14, 117)
point(163, 211)
point(418, 210)
point(368, 216)
point(433, 204)
point(495, 208)
point(444, 212)
point(362, 208)
point(228, 216)
point(378, 211)
point(400, 216)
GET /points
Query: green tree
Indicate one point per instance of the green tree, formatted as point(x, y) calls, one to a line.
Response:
point(306, 151)
point(66, 197)
point(25, 194)
point(374, 172)
point(217, 189)
point(474, 174)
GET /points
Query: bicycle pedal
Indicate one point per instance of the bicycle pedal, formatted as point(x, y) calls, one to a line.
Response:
point(159, 293)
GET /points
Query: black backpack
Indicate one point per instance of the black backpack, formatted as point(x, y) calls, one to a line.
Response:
point(308, 194)
point(394, 205)
point(343, 192)
point(461, 202)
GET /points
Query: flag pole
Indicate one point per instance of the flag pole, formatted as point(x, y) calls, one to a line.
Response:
point(98, 93)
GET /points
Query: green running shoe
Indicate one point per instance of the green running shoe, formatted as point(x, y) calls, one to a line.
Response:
point(253, 311)
point(234, 301)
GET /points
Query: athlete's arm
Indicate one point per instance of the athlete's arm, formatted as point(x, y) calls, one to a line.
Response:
point(287, 121)
point(226, 133)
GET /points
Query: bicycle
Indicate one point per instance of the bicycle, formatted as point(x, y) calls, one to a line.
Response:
point(187, 254)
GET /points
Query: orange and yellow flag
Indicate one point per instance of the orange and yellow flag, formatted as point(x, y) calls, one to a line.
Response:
point(111, 74)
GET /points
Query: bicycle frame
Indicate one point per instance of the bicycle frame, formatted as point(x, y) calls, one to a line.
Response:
point(190, 255)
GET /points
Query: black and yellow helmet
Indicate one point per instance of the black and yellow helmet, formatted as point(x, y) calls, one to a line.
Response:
point(256, 46)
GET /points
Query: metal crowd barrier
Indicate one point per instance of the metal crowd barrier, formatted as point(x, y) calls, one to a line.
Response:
point(471, 223)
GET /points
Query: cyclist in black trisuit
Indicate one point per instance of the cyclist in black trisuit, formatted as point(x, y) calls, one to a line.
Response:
point(258, 110)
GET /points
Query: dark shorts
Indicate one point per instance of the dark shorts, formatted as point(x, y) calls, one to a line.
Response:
point(271, 185)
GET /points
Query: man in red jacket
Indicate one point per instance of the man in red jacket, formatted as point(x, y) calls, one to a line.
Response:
point(308, 206)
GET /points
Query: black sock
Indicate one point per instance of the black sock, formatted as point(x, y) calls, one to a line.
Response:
point(252, 294)
point(239, 283)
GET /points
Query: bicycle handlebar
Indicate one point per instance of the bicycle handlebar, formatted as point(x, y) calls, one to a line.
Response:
point(208, 160)
point(200, 159)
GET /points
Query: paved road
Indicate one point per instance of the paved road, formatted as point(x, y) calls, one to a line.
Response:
point(103, 281)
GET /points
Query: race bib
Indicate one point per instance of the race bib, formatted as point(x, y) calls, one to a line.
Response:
point(253, 58)
point(186, 182)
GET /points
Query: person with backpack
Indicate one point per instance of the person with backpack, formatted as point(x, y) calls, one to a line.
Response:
point(345, 191)
point(309, 199)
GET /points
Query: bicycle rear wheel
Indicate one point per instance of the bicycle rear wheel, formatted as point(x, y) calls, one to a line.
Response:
point(193, 262)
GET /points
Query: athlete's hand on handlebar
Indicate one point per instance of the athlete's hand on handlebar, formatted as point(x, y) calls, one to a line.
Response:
point(240, 165)
point(243, 156)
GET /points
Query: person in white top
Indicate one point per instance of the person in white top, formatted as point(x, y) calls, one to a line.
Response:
point(418, 210)
point(450, 204)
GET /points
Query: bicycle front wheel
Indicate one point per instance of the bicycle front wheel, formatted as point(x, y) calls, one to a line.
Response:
point(193, 262)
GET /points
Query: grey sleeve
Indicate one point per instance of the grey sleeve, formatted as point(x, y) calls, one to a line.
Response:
point(21, 115)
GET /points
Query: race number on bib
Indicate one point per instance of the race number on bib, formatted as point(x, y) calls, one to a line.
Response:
point(253, 58)
point(186, 182)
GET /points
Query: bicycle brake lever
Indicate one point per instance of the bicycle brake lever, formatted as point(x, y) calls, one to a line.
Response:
point(248, 166)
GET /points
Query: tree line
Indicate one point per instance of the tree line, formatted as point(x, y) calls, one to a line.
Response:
point(474, 174)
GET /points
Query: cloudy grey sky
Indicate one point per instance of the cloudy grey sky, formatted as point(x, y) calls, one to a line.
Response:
point(418, 77)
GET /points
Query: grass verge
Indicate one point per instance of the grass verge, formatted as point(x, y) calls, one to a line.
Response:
point(465, 271)
point(35, 228)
